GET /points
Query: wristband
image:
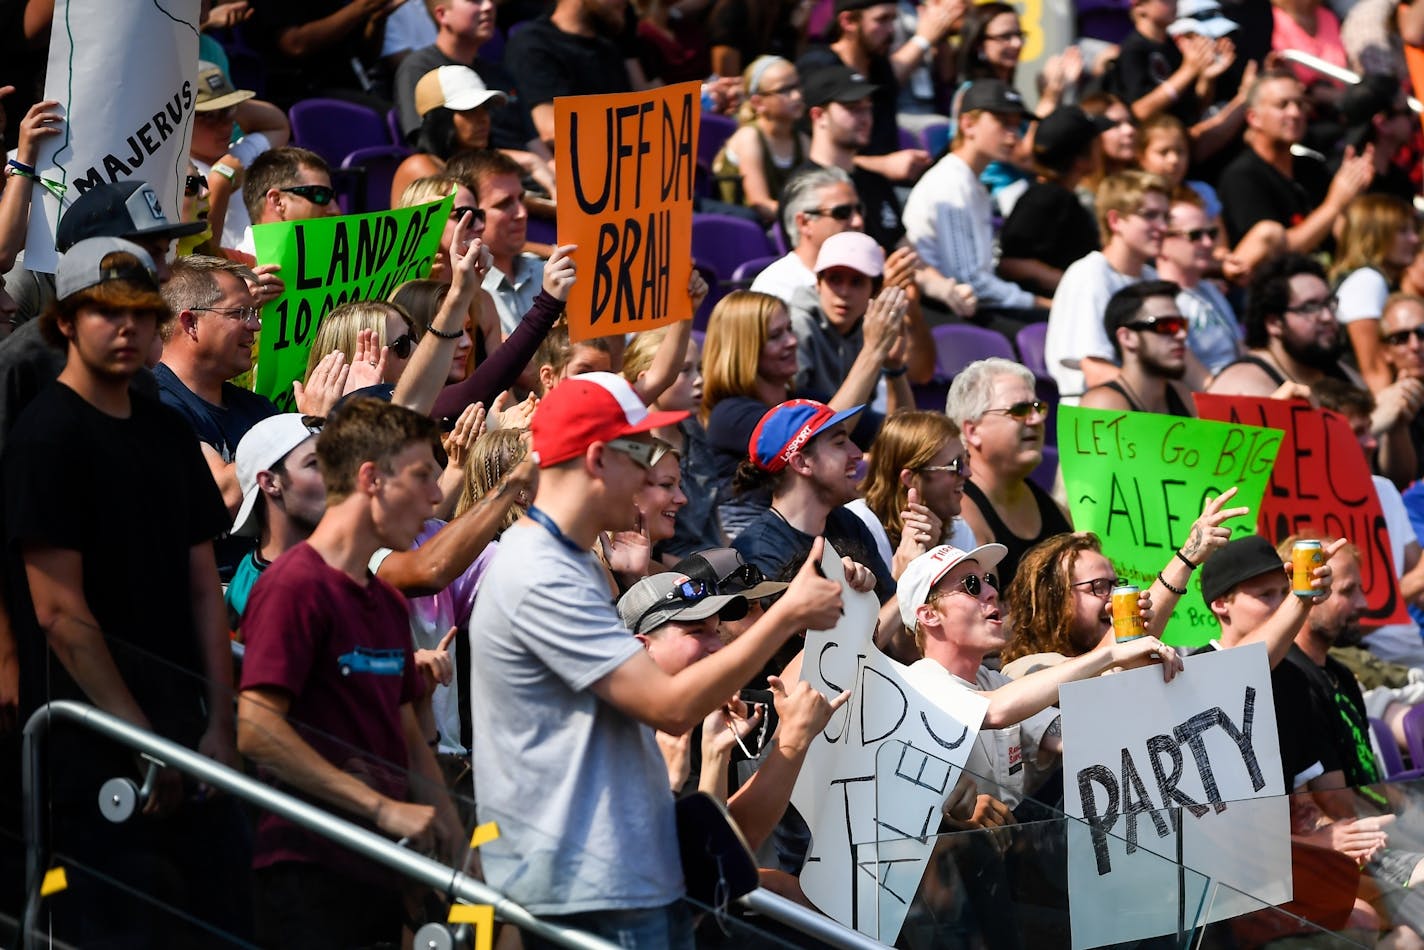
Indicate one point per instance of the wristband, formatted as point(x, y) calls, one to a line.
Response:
point(895, 373)
point(21, 169)
point(1169, 89)
point(227, 171)
point(1179, 591)
point(1183, 558)
point(430, 327)
point(924, 44)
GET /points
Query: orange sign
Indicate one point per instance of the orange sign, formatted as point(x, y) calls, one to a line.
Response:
point(625, 166)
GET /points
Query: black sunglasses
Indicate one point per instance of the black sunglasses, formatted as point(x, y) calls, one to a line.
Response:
point(402, 345)
point(686, 592)
point(1165, 325)
point(457, 213)
point(195, 185)
point(839, 212)
point(320, 195)
point(1196, 234)
point(973, 585)
point(744, 577)
point(1401, 337)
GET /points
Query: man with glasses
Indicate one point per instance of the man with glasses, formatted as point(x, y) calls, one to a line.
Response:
point(286, 184)
point(209, 341)
point(1292, 336)
point(1272, 200)
point(1132, 217)
point(949, 600)
point(949, 217)
point(1149, 339)
point(817, 203)
point(1188, 254)
point(1001, 422)
point(560, 688)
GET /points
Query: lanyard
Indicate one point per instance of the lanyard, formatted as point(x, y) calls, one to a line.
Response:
point(547, 523)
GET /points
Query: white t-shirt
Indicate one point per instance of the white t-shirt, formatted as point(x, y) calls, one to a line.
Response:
point(960, 534)
point(1075, 322)
point(1362, 295)
point(782, 278)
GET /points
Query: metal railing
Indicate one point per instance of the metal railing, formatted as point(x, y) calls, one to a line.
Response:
point(442, 878)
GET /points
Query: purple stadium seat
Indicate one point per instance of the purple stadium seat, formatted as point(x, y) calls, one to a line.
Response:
point(724, 243)
point(716, 293)
point(936, 136)
point(1414, 735)
point(1389, 756)
point(374, 168)
point(334, 128)
point(778, 239)
point(1047, 391)
point(712, 132)
point(393, 126)
point(909, 139)
point(1047, 470)
point(959, 344)
point(1029, 341)
point(746, 271)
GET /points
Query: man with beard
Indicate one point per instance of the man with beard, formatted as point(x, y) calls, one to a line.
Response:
point(569, 52)
point(1292, 336)
point(1149, 337)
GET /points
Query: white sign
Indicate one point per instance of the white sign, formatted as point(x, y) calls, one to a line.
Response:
point(1185, 771)
point(876, 779)
point(122, 72)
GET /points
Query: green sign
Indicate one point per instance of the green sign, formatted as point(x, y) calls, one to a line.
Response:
point(327, 262)
point(1138, 480)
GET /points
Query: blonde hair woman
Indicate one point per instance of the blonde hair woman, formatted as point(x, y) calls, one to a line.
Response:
point(387, 331)
point(753, 166)
point(1378, 240)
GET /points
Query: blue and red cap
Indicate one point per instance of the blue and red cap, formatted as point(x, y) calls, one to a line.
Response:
point(785, 430)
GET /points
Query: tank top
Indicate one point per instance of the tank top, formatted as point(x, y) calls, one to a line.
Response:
point(1175, 406)
point(729, 176)
point(1049, 515)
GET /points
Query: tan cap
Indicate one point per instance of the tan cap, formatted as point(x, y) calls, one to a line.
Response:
point(215, 92)
point(457, 88)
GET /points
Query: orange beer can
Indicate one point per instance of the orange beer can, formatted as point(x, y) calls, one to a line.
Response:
point(1306, 556)
point(1126, 620)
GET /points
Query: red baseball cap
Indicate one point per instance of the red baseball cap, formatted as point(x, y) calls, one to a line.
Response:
point(589, 408)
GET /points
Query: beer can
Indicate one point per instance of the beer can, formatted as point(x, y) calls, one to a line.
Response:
point(1127, 621)
point(1306, 556)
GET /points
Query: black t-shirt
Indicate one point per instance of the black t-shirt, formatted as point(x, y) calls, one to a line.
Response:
point(1320, 717)
point(1049, 224)
point(221, 427)
point(1143, 65)
point(772, 544)
point(884, 129)
point(548, 63)
point(510, 125)
point(1252, 190)
point(132, 497)
point(329, 68)
point(753, 32)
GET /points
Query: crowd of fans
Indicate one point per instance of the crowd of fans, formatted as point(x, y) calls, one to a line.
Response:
point(488, 573)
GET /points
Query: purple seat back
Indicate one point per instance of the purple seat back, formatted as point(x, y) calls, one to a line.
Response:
point(723, 242)
point(1030, 342)
point(959, 344)
point(712, 133)
point(334, 128)
point(747, 271)
point(377, 166)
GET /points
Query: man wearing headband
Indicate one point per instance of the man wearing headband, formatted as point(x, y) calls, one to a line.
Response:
point(110, 515)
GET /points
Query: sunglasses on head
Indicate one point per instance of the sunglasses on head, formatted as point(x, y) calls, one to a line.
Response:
point(687, 592)
point(195, 185)
point(320, 195)
point(402, 345)
point(1165, 325)
point(974, 584)
point(839, 212)
point(643, 454)
point(457, 213)
point(1098, 586)
point(1022, 410)
point(1401, 337)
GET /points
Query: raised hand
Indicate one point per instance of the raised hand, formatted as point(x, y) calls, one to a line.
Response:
point(325, 385)
point(559, 272)
point(468, 427)
point(368, 364)
point(1207, 536)
point(814, 601)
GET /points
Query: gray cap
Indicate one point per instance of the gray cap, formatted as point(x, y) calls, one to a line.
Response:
point(81, 267)
point(663, 598)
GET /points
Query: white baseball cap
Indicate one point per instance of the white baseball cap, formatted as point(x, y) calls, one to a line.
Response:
point(264, 445)
point(457, 88)
point(925, 571)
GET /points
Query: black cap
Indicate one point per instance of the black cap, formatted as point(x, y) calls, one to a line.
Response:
point(125, 209)
point(732, 575)
point(1371, 96)
point(991, 95)
point(1065, 134)
point(1240, 560)
point(835, 84)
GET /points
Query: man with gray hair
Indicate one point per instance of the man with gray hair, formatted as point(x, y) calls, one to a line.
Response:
point(818, 202)
point(1001, 421)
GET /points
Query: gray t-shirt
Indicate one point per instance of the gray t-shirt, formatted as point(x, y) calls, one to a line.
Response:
point(579, 789)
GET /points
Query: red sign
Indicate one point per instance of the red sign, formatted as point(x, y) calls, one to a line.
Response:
point(1320, 485)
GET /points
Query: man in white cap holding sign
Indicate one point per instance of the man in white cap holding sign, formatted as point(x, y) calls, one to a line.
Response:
point(949, 600)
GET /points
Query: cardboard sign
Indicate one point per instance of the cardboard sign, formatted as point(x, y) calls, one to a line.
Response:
point(1139, 479)
point(327, 262)
point(625, 167)
point(129, 115)
point(1320, 485)
point(1183, 772)
point(876, 779)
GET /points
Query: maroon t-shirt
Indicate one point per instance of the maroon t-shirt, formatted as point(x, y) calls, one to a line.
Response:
point(342, 651)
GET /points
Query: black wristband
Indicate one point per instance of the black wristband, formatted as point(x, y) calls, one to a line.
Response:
point(895, 373)
point(1189, 564)
point(1179, 591)
point(442, 334)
